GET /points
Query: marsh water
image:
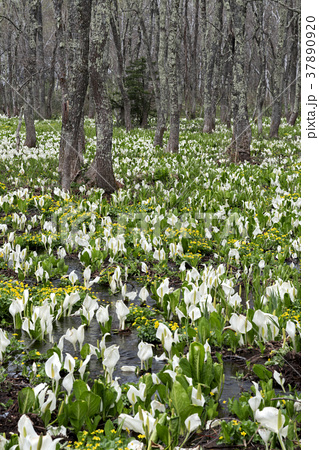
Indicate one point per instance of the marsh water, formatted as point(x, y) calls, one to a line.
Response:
point(127, 342)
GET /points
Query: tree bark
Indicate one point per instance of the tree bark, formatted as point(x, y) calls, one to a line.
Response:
point(91, 113)
point(30, 65)
point(162, 110)
point(296, 105)
point(99, 66)
point(48, 113)
point(79, 16)
point(40, 88)
point(9, 92)
point(173, 141)
point(193, 65)
point(61, 64)
point(278, 75)
point(261, 43)
point(240, 146)
point(120, 63)
point(211, 44)
point(227, 77)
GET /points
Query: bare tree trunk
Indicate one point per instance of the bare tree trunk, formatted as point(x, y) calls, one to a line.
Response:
point(8, 92)
point(278, 75)
point(173, 141)
point(81, 138)
point(61, 63)
point(48, 114)
point(207, 70)
point(41, 107)
point(296, 105)
point(193, 78)
point(240, 146)
point(30, 140)
point(153, 69)
point(211, 44)
point(120, 64)
point(261, 89)
point(162, 110)
point(157, 68)
point(99, 66)
point(91, 113)
point(18, 130)
point(226, 77)
point(79, 16)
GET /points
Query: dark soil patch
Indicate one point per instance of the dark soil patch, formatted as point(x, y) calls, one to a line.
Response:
point(9, 408)
point(8, 273)
point(246, 357)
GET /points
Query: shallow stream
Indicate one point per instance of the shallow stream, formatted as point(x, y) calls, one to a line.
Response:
point(127, 343)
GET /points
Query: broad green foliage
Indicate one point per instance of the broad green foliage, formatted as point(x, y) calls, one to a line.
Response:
point(215, 246)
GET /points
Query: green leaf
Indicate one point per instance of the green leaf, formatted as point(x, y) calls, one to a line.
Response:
point(109, 396)
point(79, 387)
point(26, 400)
point(78, 412)
point(261, 372)
point(46, 417)
point(184, 242)
point(162, 392)
point(20, 275)
point(163, 433)
point(98, 388)
point(85, 258)
point(107, 429)
point(174, 425)
point(240, 409)
point(196, 360)
point(85, 351)
point(204, 328)
point(93, 402)
point(119, 406)
point(180, 400)
point(217, 323)
point(92, 424)
point(182, 380)
point(208, 372)
point(211, 409)
point(186, 367)
point(63, 417)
